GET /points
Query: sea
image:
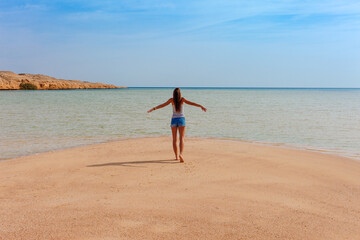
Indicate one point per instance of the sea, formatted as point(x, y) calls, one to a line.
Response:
point(326, 120)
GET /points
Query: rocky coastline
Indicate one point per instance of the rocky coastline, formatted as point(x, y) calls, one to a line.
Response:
point(12, 81)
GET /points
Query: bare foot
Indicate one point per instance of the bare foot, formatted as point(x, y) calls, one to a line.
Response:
point(177, 158)
point(181, 158)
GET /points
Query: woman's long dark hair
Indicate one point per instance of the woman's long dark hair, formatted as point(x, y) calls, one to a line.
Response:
point(177, 99)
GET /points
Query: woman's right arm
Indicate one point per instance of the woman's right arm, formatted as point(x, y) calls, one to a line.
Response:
point(194, 104)
point(161, 105)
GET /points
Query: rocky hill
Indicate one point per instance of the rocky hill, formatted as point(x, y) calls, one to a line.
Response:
point(12, 81)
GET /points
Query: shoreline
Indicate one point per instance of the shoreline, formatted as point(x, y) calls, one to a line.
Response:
point(338, 152)
point(333, 152)
point(134, 189)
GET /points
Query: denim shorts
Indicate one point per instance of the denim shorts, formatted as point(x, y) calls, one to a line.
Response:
point(178, 122)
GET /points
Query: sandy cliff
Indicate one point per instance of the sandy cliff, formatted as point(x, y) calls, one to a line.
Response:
point(12, 81)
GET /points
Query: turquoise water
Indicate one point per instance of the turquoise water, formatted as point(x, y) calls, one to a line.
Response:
point(38, 121)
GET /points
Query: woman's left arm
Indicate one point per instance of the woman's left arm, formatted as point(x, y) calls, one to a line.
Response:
point(160, 106)
point(195, 104)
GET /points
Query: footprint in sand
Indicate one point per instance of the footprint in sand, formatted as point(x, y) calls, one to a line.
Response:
point(189, 167)
point(162, 228)
point(130, 223)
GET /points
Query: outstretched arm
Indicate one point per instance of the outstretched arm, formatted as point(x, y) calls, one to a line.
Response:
point(194, 104)
point(160, 106)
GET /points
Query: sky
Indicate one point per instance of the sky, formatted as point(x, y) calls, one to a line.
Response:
point(155, 43)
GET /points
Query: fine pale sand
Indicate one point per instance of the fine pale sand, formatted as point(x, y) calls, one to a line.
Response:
point(133, 189)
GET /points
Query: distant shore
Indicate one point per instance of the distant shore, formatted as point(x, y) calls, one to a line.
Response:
point(24, 81)
point(134, 189)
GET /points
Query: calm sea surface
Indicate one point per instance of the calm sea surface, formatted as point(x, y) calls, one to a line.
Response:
point(38, 121)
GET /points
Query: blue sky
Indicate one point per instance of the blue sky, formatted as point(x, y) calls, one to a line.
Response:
point(185, 43)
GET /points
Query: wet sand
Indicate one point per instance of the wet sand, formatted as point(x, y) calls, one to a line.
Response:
point(134, 189)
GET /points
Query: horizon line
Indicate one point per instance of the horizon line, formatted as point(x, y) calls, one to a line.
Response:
point(257, 87)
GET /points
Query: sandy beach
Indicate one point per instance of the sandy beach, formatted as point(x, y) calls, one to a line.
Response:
point(134, 189)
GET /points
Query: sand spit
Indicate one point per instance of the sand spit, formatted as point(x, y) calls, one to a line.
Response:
point(12, 81)
point(134, 189)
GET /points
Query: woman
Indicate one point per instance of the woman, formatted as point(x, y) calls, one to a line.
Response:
point(178, 119)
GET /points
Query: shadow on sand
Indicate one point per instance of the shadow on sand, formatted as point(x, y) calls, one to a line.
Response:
point(129, 164)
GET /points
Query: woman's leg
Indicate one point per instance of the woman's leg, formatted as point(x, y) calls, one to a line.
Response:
point(182, 136)
point(174, 135)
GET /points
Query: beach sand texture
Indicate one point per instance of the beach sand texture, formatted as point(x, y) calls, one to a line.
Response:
point(133, 189)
